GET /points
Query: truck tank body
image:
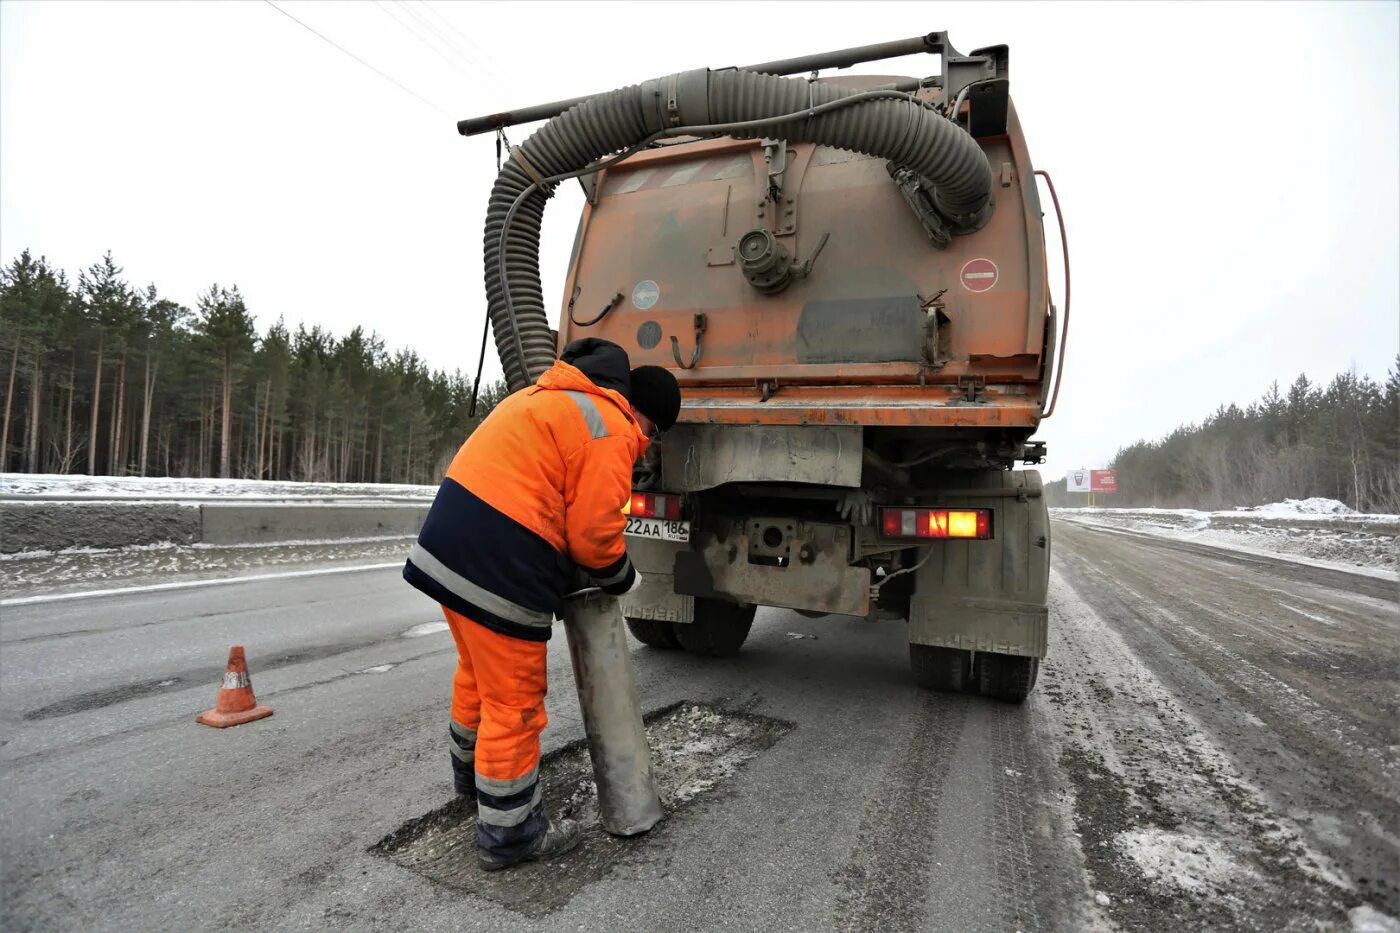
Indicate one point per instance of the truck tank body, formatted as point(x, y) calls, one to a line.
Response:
point(863, 361)
point(885, 330)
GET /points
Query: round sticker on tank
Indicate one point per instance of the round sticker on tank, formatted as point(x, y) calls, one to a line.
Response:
point(646, 294)
point(978, 275)
point(648, 335)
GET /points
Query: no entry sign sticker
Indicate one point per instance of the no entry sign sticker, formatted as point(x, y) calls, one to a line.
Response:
point(978, 275)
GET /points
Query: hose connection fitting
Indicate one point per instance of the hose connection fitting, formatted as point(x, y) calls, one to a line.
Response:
point(765, 262)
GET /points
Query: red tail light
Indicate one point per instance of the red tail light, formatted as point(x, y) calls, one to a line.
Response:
point(653, 505)
point(936, 523)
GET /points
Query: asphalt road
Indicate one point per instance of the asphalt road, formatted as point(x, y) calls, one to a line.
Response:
point(1212, 744)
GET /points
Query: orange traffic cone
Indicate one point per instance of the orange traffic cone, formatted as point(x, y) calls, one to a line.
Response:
point(236, 704)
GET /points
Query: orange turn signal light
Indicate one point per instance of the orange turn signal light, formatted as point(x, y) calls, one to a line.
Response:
point(936, 523)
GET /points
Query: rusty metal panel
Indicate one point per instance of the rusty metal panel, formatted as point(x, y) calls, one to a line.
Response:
point(861, 330)
point(700, 456)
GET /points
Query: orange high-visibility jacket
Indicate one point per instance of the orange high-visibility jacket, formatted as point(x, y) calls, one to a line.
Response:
point(536, 492)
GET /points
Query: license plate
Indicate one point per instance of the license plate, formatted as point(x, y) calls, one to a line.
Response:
point(658, 528)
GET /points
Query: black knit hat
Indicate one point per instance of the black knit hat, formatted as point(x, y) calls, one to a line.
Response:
point(656, 394)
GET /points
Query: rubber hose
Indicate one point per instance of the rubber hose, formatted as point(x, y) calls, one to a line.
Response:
point(902, 131)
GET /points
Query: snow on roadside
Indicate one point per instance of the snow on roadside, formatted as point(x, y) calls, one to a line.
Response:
point(1312, 506)
point(79, 570)
point(1366, 919)
point(147, 487)
point(1323, 532)
point(1316, 508)
point(1187, 861)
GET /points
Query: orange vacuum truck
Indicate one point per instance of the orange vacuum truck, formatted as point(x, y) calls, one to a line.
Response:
point(848, 276)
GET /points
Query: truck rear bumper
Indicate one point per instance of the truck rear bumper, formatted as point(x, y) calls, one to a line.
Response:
point(808, 570)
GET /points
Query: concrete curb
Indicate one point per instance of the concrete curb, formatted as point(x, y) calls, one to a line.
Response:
point(52, 526)
point(247, 523)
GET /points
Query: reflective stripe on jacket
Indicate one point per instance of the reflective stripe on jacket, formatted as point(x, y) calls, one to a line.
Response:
point(537, 490)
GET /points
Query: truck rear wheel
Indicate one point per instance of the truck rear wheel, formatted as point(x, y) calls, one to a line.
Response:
point(719, 629)
point(654, 633)
point(1006, 677)
point(945, 669)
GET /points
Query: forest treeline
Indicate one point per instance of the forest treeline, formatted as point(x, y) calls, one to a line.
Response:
point(1340, 441)
point(106, 378)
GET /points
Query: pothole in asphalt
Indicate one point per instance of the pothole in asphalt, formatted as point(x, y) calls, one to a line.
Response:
point(695, 748)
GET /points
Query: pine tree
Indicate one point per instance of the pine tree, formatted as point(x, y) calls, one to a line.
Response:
point(106, 299)
point(228, 332)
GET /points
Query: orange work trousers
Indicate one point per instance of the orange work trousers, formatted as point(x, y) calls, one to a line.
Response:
point(498, 694)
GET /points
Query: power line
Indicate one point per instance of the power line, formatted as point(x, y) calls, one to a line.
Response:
point(419, 38)
point(491, 58)
point(401, 86)
point(440, 36)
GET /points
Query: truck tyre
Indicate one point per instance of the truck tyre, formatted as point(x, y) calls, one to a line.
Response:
point(1006, 677)
point(943, 669)
point(654, 633)
point(719, 628)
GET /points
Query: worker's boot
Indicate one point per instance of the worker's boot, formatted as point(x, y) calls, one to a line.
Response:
point(558, 838)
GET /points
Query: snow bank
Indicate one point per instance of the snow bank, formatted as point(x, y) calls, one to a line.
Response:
point(1290, 507)
point(1318, 531)
point(151, 487)
point(1314, 509)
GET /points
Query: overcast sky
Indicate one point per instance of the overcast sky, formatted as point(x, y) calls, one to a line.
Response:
point(1229, 173)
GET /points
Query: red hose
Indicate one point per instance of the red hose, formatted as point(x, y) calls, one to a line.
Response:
point(1064, 328)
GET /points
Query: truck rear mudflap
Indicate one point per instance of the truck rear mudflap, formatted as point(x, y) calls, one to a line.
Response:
point(989, 596)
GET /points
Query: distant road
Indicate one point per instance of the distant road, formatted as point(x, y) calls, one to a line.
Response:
point(1212, 744)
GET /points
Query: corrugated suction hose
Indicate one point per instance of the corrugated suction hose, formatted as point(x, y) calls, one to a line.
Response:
point(743, 104)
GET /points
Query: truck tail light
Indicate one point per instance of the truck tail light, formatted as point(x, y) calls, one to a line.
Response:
point(653, 505)
point(936, 523)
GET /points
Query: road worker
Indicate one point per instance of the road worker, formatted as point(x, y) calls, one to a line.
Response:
point(534, 497)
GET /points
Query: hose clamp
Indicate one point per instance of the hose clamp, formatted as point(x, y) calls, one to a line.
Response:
point(518, 154)
point(687, 98)
point(673, 103)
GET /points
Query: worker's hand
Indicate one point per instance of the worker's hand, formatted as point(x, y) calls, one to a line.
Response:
point(622, 583)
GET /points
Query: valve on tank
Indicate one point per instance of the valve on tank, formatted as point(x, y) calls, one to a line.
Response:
point(765, 262)
point(768, 265)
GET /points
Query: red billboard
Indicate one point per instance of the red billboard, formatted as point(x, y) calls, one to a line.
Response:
point(1103, 480)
